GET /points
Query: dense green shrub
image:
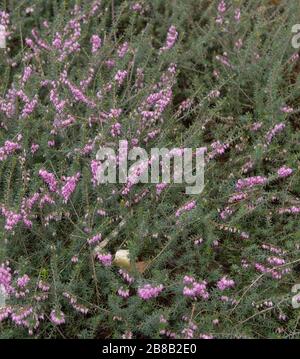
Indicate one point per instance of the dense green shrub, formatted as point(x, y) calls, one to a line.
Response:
point(222, 75)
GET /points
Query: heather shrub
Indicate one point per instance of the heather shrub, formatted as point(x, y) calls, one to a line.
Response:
point(77, 75)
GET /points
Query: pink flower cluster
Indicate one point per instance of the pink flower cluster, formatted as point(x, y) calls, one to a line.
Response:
point(226, 213)
point(137, 7)
point(97, 238)
point(124, 293)
point(126, 277)
point(237, 197)
point(73, 302)
point(273, 249)
point(218, 148)
point(247, 167)
point(96, 43)
point(172, 36)
point(23, 281)
point(74, 259)
point(275, 273)
point(284, 171)
point(237, 14)
point(57, 317)
point(5, 313)
point(153, 107)
point(4, 18)
point(194, 289)
point(186, 208)
point(214, 94)
point(120, 76)
point(275, 261)
point(221, 10)
point(122, 50)
point(11, 218)
point(139, 81)
point(20, 315)
point(95, 167)
point(224, 60)
point(29, 107)
point(78, 95)
point(160, 187)
point(26, 74)
point(116, 129)
point(225, 283)
point(49, 179)
point(189, 331)
point(185, 105)
point(294, 57)
point(256, 126)
point(34, 147)
point(206, 336)
point(5, 278)
point(105, 259)
point(8, 149)
point(54, 98)
point(250, 182)
point(46, 199)
point(43, 286)
point(69, 187)
point(148, 291)
point(274, 131)
point(292, 210)
point(286, 109)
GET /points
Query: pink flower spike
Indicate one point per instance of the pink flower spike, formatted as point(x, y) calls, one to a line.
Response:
point(96, 43)
point(284, 172)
